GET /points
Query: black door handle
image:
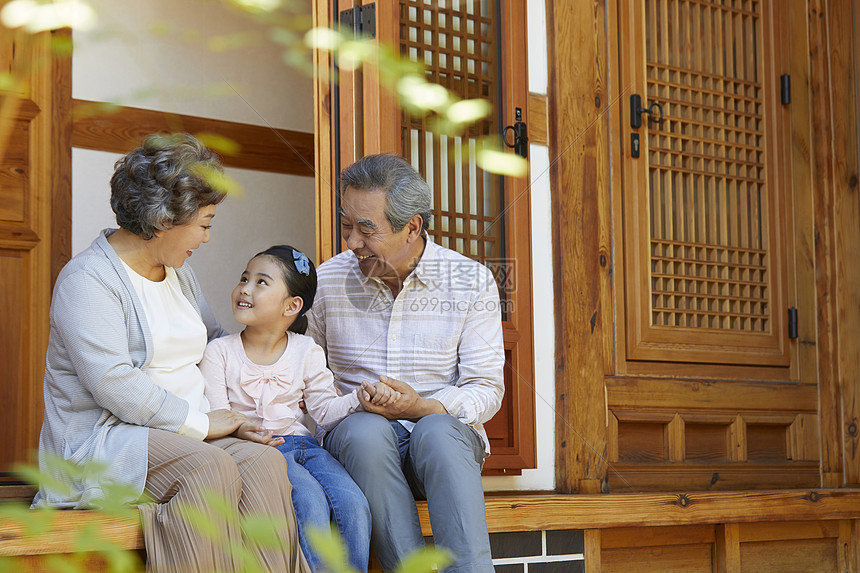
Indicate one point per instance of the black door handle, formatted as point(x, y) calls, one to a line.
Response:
point(636, 111)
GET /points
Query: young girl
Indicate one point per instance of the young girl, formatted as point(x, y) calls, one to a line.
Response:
point(266, 370)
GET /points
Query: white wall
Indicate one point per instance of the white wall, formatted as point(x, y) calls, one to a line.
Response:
point(158, 55)
point(543, 323)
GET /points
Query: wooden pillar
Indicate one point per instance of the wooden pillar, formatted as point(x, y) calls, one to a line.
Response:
point(835, 204)
point(578, 148)
point(35, 221)
point(61, 183)
point(591, 553)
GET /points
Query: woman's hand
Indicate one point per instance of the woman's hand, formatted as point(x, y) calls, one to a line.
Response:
point(224, 422)
point(255, 433)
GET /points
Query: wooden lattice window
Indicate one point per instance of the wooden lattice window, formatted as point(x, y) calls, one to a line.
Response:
point(458, 43)
point(707, 263)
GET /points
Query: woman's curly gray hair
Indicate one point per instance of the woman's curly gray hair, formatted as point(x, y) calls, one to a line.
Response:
point(163, 183)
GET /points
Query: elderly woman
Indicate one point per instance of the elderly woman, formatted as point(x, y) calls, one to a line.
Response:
point(122, 389)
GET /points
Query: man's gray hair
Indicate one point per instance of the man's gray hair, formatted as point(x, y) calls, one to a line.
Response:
point(406, 191)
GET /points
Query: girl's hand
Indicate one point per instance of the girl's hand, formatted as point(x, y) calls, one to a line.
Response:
point(255, 433)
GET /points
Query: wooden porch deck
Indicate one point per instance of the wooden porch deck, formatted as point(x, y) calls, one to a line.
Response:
point(816, 514)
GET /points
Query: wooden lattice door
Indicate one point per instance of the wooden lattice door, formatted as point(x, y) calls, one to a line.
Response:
point(705, 201)
point(475, 212)
point(476, 49)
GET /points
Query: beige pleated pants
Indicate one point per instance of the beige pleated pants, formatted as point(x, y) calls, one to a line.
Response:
point(251, 477)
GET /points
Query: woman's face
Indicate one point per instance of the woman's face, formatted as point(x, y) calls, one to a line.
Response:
point(176, 244)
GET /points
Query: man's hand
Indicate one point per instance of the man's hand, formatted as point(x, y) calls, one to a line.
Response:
point(408, 406)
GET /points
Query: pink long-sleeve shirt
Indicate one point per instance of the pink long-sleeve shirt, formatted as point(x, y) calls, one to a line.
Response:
point(270, 394)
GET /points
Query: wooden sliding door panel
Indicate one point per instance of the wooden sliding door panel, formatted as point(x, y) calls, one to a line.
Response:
point(465, 47)
point(705, 200)
point(475, 49)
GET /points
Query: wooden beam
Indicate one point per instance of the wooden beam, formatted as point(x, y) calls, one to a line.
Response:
point(734, 395)
point(627, 477)
point(531, 513)
point(506, 513)
point(102, 127)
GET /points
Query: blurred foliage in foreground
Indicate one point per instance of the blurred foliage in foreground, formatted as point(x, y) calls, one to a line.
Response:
point(288, 26)
point(94, 540)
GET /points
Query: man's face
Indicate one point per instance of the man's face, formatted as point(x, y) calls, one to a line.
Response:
point(381, 252)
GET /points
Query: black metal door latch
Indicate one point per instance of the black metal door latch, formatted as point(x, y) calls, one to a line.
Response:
point(520, 144)
point(654, 111)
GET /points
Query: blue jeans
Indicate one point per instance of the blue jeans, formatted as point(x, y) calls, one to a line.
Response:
point(440, 461)
point(323, 493)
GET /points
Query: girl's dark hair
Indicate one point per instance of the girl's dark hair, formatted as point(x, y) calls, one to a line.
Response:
point(298, 284)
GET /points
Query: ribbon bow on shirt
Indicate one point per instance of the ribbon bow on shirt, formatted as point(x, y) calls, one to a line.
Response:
point(270, 392)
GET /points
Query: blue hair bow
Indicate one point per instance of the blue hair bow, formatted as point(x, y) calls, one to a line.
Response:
point(301, 261)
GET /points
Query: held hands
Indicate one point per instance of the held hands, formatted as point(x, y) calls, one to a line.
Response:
point(227, 422)
point(399, 401)
point(379, 393)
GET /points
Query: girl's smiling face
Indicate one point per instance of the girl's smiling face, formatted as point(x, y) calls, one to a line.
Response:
point(261, 297)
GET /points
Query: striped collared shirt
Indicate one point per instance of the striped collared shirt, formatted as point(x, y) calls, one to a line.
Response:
point(442, 334)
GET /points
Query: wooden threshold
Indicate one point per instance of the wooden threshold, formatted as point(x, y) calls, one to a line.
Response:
point(103, 127)
point(509, 513)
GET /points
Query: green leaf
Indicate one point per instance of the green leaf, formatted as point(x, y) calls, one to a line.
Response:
point(201, 521)
point(353, 53)
point(8, 81)
point(64, 564)
point(323, 39)
point(417, 92)
point(257, 6)
point(217, 179)
point(241, 553)
point(219, 143)
point(423, 560)
point(507, 164)
point(264, 530)
point(33, 522)
point(37, 17)
point(36, 478)
point(330, 548)
point(468, 110)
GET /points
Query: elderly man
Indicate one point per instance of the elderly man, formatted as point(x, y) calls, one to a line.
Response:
point(426, 321)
